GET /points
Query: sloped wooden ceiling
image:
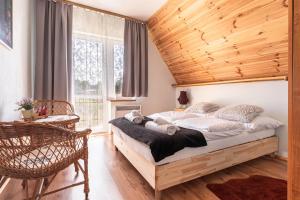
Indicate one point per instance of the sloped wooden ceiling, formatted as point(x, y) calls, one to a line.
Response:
point(218, 40)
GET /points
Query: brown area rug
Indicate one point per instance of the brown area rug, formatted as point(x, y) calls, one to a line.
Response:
point(253, 188)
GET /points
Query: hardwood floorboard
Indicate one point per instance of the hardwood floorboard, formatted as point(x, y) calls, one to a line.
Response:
point(112, 177)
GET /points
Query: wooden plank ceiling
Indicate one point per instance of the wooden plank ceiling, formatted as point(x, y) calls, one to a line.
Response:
point(219, 40)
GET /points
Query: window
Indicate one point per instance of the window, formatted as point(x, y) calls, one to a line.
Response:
point(97, 65)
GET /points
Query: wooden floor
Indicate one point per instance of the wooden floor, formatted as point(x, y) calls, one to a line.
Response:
point(113, 178)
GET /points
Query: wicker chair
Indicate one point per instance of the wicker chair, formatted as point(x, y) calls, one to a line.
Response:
point(39, 151)
point(58, 107)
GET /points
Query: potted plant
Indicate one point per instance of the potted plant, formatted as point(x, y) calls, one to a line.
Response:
point(26, 107)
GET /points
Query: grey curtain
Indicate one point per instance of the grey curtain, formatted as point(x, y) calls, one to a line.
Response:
point(135, 74)
point(53, 72)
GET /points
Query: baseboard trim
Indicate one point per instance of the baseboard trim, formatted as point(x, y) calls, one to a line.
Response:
point(279, 157)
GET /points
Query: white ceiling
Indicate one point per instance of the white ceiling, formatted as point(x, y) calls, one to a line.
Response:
point(139, 9)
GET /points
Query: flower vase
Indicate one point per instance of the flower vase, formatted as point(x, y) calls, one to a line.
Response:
point(27, 114)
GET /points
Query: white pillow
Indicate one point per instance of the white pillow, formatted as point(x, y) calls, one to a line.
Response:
point(202, 107)
point(262, 123)
point(243, 113)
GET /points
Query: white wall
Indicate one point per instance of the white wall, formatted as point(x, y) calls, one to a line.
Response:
point(160, 92)
point(270, 95)
point(15, 64)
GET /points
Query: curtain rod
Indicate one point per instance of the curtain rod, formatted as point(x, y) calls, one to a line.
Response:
point(103, 11)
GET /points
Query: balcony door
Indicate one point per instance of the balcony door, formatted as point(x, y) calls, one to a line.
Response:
point(97, 65)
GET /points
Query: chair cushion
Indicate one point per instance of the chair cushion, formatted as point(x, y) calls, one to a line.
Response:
point(42, 157)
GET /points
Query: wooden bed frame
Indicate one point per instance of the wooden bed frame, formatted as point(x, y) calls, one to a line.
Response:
point(161, 177)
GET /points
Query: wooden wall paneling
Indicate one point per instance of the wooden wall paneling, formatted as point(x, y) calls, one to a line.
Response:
point(223, 25)
point(221, 40)
point(294, 102)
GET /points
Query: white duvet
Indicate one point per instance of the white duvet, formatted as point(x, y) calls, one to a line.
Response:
point(209, 124)
point(172, 116)
point(212, 128)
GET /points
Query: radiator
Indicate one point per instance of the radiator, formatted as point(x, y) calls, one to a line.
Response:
point(122, 110)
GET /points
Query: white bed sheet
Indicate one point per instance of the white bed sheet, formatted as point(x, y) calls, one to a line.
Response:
point(187, 152)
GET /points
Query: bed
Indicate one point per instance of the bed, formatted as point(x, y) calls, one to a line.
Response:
point(191, 163)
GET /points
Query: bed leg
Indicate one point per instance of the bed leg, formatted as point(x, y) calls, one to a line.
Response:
point(157, 194)
point(273, 155)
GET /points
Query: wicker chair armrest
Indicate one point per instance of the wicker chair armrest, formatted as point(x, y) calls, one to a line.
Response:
point(83, 133)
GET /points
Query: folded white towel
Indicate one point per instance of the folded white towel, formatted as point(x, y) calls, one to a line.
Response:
point(136, 113)
point(169, 129)
point(136, 119)
point(161, 121)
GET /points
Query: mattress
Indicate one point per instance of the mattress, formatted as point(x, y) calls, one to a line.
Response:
point(214, 145)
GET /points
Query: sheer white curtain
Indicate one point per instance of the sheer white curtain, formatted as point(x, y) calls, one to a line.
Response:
point(97, 64)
